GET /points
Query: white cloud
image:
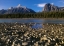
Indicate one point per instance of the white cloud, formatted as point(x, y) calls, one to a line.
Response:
point(42, 4)
point(52, 3)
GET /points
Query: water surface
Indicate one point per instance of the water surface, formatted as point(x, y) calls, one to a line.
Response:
point(32, 21)
point(38, 22)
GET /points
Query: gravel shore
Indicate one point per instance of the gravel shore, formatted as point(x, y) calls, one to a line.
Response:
point(22, 34)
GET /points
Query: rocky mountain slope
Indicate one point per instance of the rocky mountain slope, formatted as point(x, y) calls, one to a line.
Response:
point(18, 9)
point(51, 7)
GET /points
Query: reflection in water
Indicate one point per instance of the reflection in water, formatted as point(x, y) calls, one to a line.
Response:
point(32, 20)
point(37, 26)
point(37, 21)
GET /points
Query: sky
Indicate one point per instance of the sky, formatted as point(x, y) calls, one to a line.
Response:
point(36, 5)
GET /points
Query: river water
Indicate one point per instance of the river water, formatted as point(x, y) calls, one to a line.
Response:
point(32, 21)
point(38, 22)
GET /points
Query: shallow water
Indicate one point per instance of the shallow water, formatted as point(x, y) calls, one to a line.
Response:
point(38, 22)
point(32, 21)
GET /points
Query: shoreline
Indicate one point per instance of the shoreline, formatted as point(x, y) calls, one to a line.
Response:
point(35, 18)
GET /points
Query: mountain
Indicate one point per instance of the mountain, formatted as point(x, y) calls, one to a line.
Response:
point(2, 11)
point(51, 7)
point(18, 9)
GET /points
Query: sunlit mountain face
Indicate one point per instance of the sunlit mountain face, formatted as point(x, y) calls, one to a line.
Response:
point(17, 9)
point(51, 7)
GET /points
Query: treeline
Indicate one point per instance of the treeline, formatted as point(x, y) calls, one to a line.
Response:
point(35, 15)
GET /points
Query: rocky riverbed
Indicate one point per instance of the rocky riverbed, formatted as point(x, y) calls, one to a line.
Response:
point(22, 34)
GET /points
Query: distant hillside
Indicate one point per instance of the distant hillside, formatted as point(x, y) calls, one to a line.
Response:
point(18, 9)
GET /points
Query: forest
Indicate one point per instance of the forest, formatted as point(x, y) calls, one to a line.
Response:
point(34, 15)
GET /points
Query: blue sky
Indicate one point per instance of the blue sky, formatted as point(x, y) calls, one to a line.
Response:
point(36, 5)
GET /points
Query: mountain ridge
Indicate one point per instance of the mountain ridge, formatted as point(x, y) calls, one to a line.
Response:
point(50, 7)
point(18, 9)
point(22, 9)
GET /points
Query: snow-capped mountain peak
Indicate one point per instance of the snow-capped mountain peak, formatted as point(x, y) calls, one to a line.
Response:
point(17, 9)
point(19, 5)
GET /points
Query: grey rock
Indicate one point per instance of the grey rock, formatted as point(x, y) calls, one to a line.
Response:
point(51, 7)
point(18, 9)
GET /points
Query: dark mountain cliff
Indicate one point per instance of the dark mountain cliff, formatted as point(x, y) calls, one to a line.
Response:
point(51, 7)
